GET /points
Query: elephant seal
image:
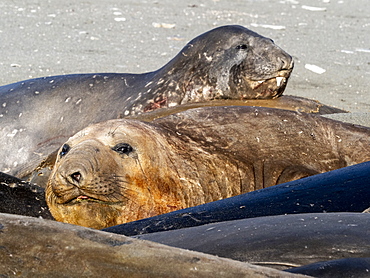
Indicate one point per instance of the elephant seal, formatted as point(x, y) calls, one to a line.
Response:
point(280, 242)
point(124, 170)
point(342, 268)
point(30, 247)
point(342, 190)
point(229, 62)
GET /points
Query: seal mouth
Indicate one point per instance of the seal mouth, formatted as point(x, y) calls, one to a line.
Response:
point(279, 81)
point(78, 197)
point(83, 199)
point(268, 88)
point(75, 199)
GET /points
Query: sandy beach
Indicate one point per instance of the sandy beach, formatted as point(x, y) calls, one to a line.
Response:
point(329, 40)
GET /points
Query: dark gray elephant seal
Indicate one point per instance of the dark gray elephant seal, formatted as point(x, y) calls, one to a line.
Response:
point(342, 268)
point(229, 62)
point(123, 170)
point(280, 242)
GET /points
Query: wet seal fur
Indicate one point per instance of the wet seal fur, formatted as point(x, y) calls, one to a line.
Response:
point(292, 103)
point(341, 268)
point(342, 190)
point(280, 242)
point(124, 170)
point(21, 197)
point(83, 252)
point(229, 62)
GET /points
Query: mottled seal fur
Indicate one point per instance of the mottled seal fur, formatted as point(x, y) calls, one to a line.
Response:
point(229, 62)
point(123, 170)
point(40, 174)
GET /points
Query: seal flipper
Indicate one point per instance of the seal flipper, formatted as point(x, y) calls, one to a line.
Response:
point(20, 197)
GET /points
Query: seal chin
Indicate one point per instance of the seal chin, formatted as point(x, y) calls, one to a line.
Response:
point(88, 212)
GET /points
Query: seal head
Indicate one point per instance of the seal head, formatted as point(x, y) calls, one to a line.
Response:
point(119, 184)
point(229, 62)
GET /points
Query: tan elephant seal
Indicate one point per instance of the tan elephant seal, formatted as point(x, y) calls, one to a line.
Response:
point(123, 170)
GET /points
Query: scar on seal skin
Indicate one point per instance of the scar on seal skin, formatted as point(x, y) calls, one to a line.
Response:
point(124, 170)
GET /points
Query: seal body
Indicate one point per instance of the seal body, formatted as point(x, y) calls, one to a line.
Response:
point(281, 241)
point(342, 268)
point(123, 170)
point(83, 252)
point(342, 190)
point(229, 62)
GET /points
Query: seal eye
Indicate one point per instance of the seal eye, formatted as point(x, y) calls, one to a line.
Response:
point(65, 150)
point(242, 46)
point(123, 148)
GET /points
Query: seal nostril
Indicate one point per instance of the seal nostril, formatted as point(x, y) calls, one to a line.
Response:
point(76, 176)
point(286, 63)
